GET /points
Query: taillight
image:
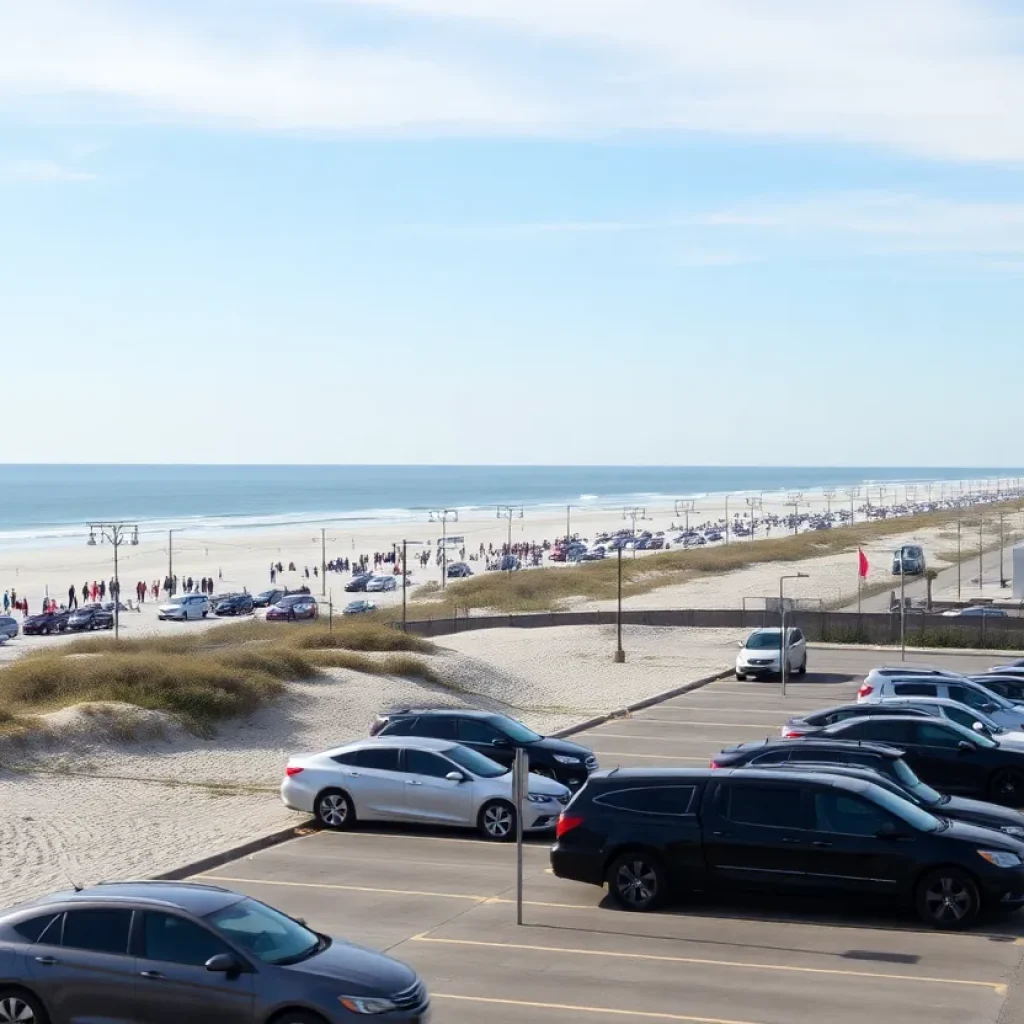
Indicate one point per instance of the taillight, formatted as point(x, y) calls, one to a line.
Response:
point(566, 823)
point(292, 770)
point(714, 764)
point(865, 689)
point(791, 734)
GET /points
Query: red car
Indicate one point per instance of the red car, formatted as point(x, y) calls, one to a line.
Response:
point(292, 607)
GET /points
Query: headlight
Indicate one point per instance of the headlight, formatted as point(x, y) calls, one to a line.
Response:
point(566, 759)
point(362, 1004)
point(1001, 858)
point(539, 798)
point(1013, 830)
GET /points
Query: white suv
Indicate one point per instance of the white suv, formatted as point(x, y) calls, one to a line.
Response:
point(963, 691)
point(759, 653)
point(183, 607)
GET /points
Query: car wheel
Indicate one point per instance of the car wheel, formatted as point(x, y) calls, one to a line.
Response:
point(947, 898)
point(205, 614)
point(17, 1005)
point(637, 881)
point(741, 676)
point(334, 810)
point(297, 1017)
point(802, 670)
point(1007, 787)
point(497, 821)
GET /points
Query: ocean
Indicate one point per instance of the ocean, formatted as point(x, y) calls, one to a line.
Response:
point(49, 502)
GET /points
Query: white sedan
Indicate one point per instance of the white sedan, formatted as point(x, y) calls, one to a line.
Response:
point(410, 778)
point(382, 583)
point(184, 607)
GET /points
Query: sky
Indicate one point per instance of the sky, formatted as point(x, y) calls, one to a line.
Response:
point(749, 232)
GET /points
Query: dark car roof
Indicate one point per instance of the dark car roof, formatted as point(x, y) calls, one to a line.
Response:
point(693, 775)
point(462, 712)
point(194, 898)
point(826, 742)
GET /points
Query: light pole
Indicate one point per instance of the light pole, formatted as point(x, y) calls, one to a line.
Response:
point(170, 562)
point(442, 516)
point(903, 608)
point(323, 561)
point(829, 493)
point(755, 505)
point(727, 497)
point(405, 573)
point(115, 534)
point(852, 493)
point(1002, 577)
point(510, 512)
point(633, 514)
point(981, 547)
point(782, 624)
point(959, 560)
point(794, 498)
point(620, 654)
point(684, 506)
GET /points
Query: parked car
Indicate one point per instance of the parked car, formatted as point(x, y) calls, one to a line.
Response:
point(946, 755)
point(813, 723)
point(179, 951)
point(358, 582)
point(8, 627)
point(358, 608)
point(759, 653)
point(459, 570)
point(496, 736)
point(942, 707)
point(184, 607)
point(266, 598)
point(650, 833)
point(1009, 686)
point(235, 604)
point(45, 623)
point(417, 779)
point(292, 607)
point(90, 617)
point(957, 688)
point(976, 611)
point(909, 560)
point(381, 583)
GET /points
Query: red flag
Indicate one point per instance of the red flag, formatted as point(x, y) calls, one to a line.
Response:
point(863, 564)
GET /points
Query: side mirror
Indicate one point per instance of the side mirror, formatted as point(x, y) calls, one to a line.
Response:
point(224, 963)
point(966, 747)
point(455, 777)
point(499, 742)
point(978, 727)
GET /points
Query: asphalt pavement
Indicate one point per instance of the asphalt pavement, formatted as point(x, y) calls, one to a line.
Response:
point(445, 902)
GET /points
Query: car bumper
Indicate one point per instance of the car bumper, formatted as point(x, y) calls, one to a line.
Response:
point(577, 865)
point(295, 797)
point(1001, 888)
point(745, 668)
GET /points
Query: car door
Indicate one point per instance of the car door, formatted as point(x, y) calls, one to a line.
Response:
point(174, 984)
point(376, 784)
point(430, 795)
point(936, 754)
point(845, 851)
point(756, 833)
point(485, 739)
point(797, 650)
point(83, 970)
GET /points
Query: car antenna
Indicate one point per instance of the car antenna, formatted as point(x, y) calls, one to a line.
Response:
point(74, 884)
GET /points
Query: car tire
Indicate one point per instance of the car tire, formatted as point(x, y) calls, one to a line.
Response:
point(297, 1017)
point(1007, 787)
point(334, 810)
point(802, 670)
point(18, 1005)
point(497, 821)
point(205, 614)
point(947, 899)
point(742, 676)
point(637, 881)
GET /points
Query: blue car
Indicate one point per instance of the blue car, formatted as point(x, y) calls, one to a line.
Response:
point(8, 628)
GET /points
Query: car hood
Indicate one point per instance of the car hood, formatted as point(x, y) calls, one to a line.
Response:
point(982, 838)
point(548, 787)
point(359, 971)
point(170, 607)
point(759, 652)
point(553, 745)
point(989, 815)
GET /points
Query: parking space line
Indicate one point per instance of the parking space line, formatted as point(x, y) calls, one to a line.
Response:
point(605, 1010)
point(998, 987)
point(369, 834)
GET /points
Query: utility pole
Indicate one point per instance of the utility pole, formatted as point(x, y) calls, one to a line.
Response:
point(1002, 577)
point(755, 505)
point(910, 493)
point(568, 531)
point(510, 512)
point(323, 562)
point(684, 506)
point(633, 514)
point(852, 493)
point(442, 516)
point(794, 499)
point(620, 654)
point(959, 560)
point(115, 534)
point(981, 547)
point(829, 493)
point(170, 559)
point(727, 497)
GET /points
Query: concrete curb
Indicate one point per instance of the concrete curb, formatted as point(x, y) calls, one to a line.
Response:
point(696, 684)
point(1004, 654)
point(198, 867)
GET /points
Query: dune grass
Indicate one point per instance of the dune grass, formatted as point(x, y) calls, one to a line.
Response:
point(548, 589)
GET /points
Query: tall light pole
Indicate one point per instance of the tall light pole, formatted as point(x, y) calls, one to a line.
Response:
point(829, 493)
point(443, 516)
point(510, 512)
point(620, 654)
point(910, 493)
point(170, 561)
point(1002, 577)
point(959, 560)
point(115, 534)
point(755, 505)
point(684, 506)
point(852, 493)
point(633, 514)
point(794, 499)
point(323, 561)
point(981, 547)
point(405, 573)
point(727, 497)
point(782, 624)
point(568, 529)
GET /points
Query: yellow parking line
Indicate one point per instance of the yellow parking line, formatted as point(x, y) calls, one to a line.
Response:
point(607, 1010)
point(997, 987)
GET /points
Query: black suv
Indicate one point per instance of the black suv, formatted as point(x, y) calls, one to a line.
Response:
point(234, 604)
point(648, 833)
point(496, 736)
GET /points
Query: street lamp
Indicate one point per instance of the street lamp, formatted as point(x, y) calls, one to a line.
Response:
point(442, 516)
point(620, 655)
point(116, 534)
point(829, 493)
point(510, 512)
point(684, 506)
point(852, 493)
point(794, 499)
point(633, 514)
point(405, 573)
point(755, 505)
point(782, 624)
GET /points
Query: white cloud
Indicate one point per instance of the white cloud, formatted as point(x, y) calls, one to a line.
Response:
point(44, 172)
point(939, 78)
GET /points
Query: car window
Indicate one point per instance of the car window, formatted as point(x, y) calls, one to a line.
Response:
point(384, 759)
point(102, 931)
point(348, 757)
point(399, 727)
point(965, 695)
point(423, 762)
point(439, 727)
point(797, 636)
point(879, 730)
point(916, 689)
point(935, 735)
point(772, 757)
point(962, 717)
point(31, 929)
point(663, 800)
point(472, 730)
point(835, 811)
point(176, 940)
point(765, 804)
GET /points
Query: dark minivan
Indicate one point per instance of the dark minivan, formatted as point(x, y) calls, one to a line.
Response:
point(650, 833)
point(496, 736)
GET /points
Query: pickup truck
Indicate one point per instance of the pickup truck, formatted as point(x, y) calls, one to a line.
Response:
point(650, 834)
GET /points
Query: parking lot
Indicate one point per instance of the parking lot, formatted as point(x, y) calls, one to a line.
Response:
point(446, 904)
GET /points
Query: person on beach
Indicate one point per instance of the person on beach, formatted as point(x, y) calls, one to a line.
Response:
point(85, 592)
point(7, 602)
point(72, 597)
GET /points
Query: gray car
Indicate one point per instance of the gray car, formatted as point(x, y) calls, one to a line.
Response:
point(171, 952)
point(8, 628)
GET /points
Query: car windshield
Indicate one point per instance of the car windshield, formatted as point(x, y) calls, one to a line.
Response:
point(176, 600)
point(763, 640)
point(266, 933)
point(920, 789)
point(516, 730)
point(475, 763)
point(915, 816)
